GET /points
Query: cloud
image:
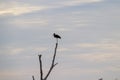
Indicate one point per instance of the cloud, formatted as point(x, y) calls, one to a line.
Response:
point(12, 73)
point(77, 2)
point(104, 44)
point(112, 68)
point(18, 8)
point(15, 8)
point(25, 23)
point(19, 50)
point(40, 49)
point(11, 50)
point(63, 49)
point(79, 71)
point(98, 45)
point(62, 29)
point(106, 50)
point(21, 72)
point(64, 3)
point(98, 57)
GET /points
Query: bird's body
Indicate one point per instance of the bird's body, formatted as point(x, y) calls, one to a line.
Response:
point(56, 36)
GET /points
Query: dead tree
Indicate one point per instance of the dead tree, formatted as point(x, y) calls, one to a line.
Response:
point(53, 64)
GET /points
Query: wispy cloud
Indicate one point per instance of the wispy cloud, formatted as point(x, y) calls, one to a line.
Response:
point(106, 50)
point(112, 68)
point(63, 49)
point(62, 29)
point(11, 50)
point(101, 45)
point(78, 71)
point(77, 2)
point(20, 50)
point(66, 3)
point(15, 8)
point(24, 23)
point(19, 72)
point(40, 49)
point(98, 57)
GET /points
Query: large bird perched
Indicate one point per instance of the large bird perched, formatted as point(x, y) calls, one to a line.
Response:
point(56, 36)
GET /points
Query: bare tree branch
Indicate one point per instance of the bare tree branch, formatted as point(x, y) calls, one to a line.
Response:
point(53, 62)
point(33, 77)
point(41, 71)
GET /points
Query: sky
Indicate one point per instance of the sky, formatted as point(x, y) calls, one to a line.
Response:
point(89, 48)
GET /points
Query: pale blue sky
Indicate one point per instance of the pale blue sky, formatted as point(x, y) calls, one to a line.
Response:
point(90, 44)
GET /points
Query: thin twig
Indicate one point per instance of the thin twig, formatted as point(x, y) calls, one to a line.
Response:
point(33, 77)
point(41, 71)
point(54, 54)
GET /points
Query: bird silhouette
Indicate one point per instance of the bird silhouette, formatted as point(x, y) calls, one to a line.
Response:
point(56, 36)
